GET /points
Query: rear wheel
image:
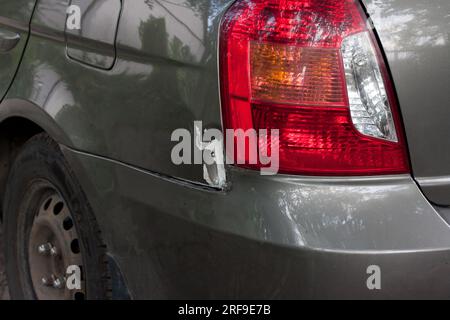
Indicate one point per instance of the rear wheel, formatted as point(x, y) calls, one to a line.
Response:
point(50, 230)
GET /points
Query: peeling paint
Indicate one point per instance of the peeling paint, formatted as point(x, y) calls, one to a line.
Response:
point(214, 168)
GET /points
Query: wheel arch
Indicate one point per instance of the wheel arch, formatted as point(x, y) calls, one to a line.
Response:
point(19, 121)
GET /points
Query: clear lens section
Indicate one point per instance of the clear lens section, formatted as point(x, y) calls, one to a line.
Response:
point(369, 104)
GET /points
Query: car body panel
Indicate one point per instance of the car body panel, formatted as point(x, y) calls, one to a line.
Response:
point(271, 237)
point(95, 42)
point(158, 83)
point(415, 35)
point(172, 235)
point(15, 18)
point(374, 214)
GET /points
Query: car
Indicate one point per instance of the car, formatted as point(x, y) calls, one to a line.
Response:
point(225, 149)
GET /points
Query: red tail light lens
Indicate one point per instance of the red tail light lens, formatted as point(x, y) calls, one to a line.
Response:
point(306, 68)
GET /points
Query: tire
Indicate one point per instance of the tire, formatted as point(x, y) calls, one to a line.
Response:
point(41, 189)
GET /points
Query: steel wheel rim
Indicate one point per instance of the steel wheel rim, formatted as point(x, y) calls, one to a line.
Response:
point(53, 247)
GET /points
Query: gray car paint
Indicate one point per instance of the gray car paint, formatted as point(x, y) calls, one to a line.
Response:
point(95, 42)
point(267, 237)
point(14, 26)
point(164, 78)
point(370, 214)
point(172, 237)
point(415, 36)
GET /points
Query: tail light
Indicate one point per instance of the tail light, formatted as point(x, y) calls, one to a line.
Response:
point(313, 70)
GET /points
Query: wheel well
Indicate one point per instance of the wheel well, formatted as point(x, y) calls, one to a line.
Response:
point(14, 132)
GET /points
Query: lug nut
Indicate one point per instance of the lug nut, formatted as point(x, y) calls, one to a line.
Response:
point(46, 282)
point(58, 283)
point(53, 281)
point(53, 251)
point(45, 248)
